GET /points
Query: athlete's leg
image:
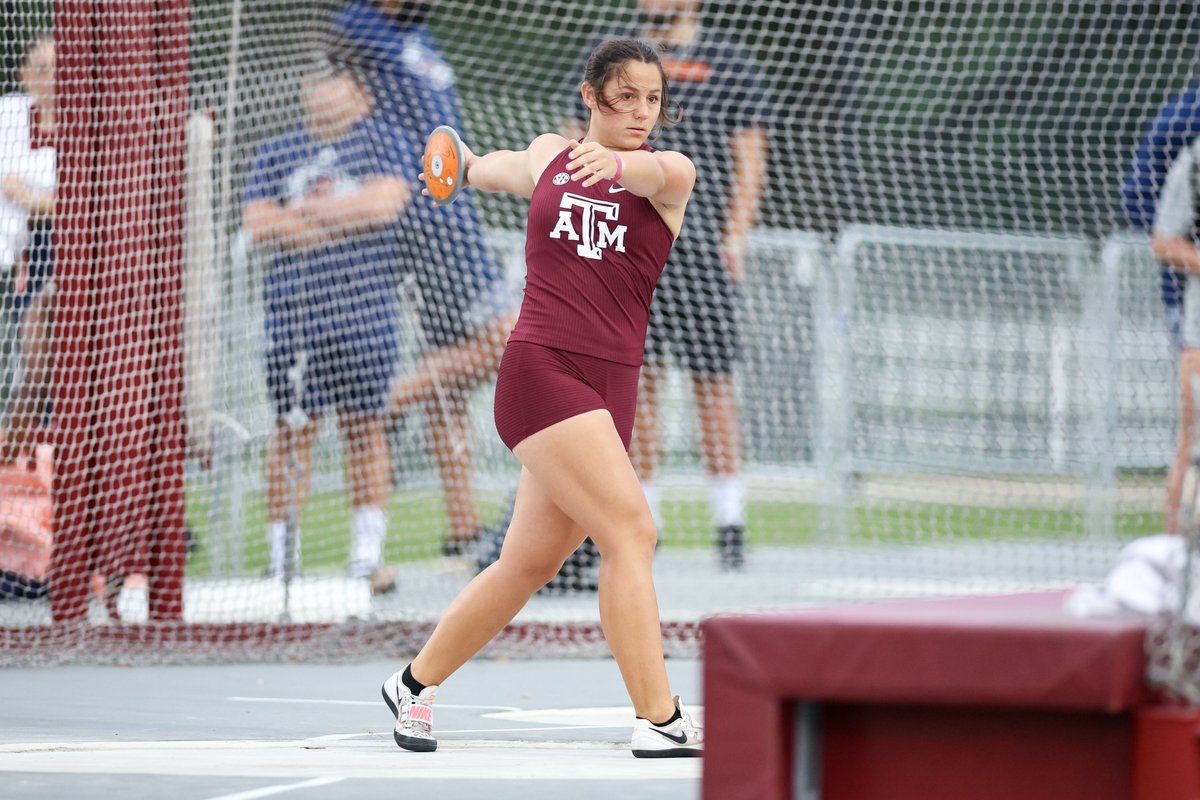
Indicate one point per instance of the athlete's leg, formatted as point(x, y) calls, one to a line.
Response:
point(540, 537)
point(582, 467)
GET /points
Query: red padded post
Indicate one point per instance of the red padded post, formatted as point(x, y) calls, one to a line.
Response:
point(1166, 754)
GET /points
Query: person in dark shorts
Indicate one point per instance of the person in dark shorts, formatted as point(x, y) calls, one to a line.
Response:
point(693, 320)
point(1165, 148)
point(603, 215)
point(325, 198)
point(461, 295)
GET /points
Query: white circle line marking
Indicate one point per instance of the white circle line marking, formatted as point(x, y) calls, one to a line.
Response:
point(290, 762)
point(319, 701)
point(267, 791)
point(538, 730)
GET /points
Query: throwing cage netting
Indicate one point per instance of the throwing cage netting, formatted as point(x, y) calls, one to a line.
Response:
point(952, 369)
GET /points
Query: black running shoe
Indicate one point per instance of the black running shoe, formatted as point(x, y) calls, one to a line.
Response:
point(731, 546)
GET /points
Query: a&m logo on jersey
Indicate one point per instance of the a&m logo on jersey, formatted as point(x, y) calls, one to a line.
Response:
point(596, 234)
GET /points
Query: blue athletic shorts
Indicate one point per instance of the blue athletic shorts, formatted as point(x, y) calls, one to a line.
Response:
point(346, 363)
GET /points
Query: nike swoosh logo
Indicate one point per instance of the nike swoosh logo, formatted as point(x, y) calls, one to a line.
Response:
point(677, 738)
point(614, 189)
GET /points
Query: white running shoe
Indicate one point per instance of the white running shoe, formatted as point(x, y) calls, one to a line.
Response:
point(414, 715)
point(681, 739)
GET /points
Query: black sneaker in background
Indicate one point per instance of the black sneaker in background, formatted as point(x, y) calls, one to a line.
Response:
point(579, 573)
point(731, 546)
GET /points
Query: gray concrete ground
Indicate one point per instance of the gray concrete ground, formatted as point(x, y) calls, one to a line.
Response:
point(506, 729)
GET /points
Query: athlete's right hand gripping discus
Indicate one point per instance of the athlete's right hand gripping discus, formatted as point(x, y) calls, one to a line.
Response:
point(445, 163)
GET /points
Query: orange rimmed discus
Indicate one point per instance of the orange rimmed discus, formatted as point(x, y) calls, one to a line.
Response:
point(445, 163)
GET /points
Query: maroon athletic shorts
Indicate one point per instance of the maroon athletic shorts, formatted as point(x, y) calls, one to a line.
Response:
point(538, 386)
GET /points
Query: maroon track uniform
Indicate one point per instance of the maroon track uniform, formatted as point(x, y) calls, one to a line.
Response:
point(593, 256)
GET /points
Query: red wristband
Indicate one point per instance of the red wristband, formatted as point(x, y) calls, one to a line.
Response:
point(620, 168)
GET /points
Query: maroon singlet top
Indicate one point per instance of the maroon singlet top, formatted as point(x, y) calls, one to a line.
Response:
point(593, 256)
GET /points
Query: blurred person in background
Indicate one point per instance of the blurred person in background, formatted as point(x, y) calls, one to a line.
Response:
point(462, 298)
point(27, 183)
point(325, 198)
point(1174, 240)
point(727, 116)
point(1166, 139)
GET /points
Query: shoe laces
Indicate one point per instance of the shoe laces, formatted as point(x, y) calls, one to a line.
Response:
point(688, 725)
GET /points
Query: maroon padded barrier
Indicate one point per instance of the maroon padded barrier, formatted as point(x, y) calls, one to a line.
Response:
point(1007, 696)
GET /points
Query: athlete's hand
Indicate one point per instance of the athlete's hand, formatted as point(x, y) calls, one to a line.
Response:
point(424, 185)
point(591, 162)
point(469, 158)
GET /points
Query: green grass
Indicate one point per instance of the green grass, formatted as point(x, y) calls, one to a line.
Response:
point(417, 523)
point(929, 522)
point(785, 523)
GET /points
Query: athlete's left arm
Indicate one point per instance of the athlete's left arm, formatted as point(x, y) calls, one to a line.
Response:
point(749, 155)
point(664, 177)
point(513, 171)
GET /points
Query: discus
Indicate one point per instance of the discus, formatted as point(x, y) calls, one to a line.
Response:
point(445, 163)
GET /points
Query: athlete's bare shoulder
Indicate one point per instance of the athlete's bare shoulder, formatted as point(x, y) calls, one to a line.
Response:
point(679, 177)
point(542, 151)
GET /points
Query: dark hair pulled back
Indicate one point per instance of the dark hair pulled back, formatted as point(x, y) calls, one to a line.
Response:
point(608, 60)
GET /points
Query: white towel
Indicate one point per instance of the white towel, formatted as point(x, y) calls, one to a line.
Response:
point(1147, 579)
